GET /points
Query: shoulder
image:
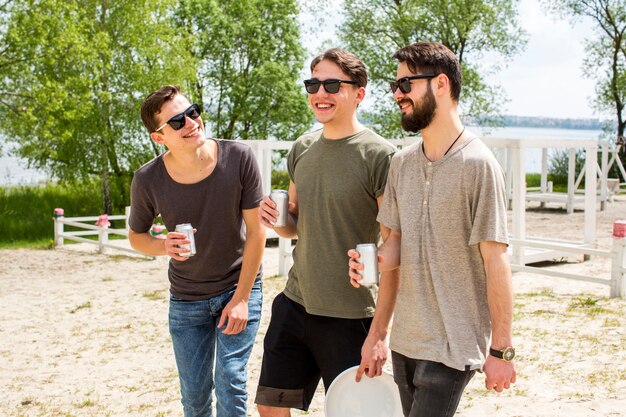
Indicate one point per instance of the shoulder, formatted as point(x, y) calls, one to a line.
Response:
point(308, 139)
point(150, 168)
point(305, 141)
point(376, 142)
point(234, 146)
point(407, 152)
point(478, 153)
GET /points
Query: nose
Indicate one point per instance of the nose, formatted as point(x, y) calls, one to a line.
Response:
point(397, 95)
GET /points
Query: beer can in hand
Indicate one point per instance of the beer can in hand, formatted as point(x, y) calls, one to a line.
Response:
point(187, 230)
point(281, 198)
point(369, 259)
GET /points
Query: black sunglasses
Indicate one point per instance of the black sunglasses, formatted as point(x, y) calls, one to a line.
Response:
point(404, 83)
point(331, 85)
point(178, 121)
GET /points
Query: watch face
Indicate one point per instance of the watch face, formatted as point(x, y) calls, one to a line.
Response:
point(508, 354)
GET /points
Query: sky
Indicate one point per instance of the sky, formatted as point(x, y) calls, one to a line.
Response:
point(545, 80)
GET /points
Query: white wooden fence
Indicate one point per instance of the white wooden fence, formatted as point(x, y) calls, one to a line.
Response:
point(88, 227)
point(523, 250)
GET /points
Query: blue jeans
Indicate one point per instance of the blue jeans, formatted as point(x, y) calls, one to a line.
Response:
point(428, 389)
point(198, 344)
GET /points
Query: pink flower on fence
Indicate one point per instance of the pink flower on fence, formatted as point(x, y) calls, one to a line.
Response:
point(158, 231)
point(57, 213)
point(103, 221)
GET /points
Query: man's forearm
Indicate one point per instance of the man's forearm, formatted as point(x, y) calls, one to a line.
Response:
point(499, 298)
point(146, 244)
point(252, 257)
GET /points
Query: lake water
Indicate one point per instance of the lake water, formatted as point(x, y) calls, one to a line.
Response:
point(15, 171)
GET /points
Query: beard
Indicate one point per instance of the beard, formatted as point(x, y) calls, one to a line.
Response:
point(422, 114)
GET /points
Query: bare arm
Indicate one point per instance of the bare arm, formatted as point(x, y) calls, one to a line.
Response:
point(499, 374)
point(170, 246)
point(374, 350)
point(236, 311)
point(268, 214)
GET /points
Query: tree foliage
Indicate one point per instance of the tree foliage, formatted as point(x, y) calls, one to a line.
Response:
point(606, 53)
point(375, 29)
point(73, 76)
point(250, 58)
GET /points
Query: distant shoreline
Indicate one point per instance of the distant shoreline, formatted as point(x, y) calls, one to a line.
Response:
point(549, 122)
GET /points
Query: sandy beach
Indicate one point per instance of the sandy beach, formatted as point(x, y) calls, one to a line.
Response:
point(84, 334)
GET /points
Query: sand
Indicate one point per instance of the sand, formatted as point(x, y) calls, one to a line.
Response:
point(84, 334)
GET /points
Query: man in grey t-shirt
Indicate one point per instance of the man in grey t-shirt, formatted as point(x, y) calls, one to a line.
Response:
point(446, 207)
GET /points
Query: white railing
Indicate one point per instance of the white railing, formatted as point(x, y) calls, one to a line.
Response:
point(514, 165)
point(617, 256)
point(92, 226)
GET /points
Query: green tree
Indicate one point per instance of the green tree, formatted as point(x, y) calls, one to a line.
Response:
point(73, 74)
point(606, 53)
point(250, 58)
point(375, 29)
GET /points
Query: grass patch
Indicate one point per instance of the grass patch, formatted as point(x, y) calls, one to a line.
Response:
point(81, 307)
point(154, 295)
point(26, 212)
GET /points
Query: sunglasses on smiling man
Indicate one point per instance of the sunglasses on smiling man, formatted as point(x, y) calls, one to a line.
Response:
point(404, 83)
point(178, 121)
point(331, 85)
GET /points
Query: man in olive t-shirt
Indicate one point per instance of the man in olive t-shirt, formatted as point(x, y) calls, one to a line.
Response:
point(319, 323)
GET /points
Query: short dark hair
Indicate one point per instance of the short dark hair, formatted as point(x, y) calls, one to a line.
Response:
point(434, 58)
point(153, 103)
point(348, 62)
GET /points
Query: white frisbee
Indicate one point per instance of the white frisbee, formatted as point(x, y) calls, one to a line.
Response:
point(372, 397)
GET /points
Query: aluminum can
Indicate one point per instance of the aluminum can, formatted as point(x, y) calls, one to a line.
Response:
point(187, 230)
point(369, 259)
point(281, 198)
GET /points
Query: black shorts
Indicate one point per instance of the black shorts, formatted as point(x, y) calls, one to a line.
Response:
point(300, 348)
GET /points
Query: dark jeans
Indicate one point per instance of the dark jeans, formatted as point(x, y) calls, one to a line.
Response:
point(428, 389)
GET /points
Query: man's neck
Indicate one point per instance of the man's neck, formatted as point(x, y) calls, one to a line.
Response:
point(195, 160)
point(335, 131)
point(440, 135)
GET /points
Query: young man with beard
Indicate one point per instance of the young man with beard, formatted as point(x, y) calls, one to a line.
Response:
point(216, 294)
point(446, 207)
point(319, 322)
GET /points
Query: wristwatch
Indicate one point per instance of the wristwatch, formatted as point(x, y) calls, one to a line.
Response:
point(507, 354)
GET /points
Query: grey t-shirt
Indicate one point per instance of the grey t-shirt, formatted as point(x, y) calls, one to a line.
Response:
point(337, 183)
point(213, 206)
point(444, 209)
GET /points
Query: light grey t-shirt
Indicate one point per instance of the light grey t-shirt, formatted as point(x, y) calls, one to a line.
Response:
point(443, 210)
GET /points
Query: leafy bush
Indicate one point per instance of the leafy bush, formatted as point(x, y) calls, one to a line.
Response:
point(280, 180)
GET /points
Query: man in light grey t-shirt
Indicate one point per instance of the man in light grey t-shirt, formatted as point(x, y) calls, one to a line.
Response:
point(445, 205)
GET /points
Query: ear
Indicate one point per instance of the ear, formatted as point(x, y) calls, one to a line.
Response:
point(360, 95)
point(157, 138)
point(442, 85)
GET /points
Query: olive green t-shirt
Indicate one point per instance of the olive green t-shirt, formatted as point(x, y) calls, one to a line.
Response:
point(337, 183)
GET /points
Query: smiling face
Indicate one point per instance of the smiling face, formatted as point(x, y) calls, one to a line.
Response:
point(190, 136)
point(418, 106)
point(338, 108)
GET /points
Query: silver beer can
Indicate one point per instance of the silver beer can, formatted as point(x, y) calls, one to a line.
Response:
point(281, 198)
point(187, 230)
point(369, 259)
